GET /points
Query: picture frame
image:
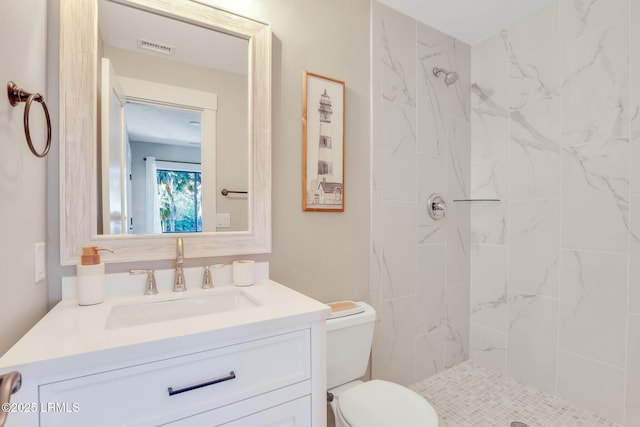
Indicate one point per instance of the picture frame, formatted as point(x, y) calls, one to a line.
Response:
point(323, 127)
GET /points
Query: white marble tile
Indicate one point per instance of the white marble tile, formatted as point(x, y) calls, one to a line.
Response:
point(593, 304)
point(432, 178)
point(634, 150)
point(591, 385)
point(489, 222)
point(490, 179)
point(456, 324)
point(534, 54)
point(398, 250)
point(399, 158)
point(458, 243)
point(431, 129)
point(429, 350)
point(595, 92)
point(634, 279)
point(458, 159)
point(395, 53)
point(535, 165)
point(634, 155)
point(462, 62)
point(634, 255)
point(632, 402)
point(634, 95)
point(436, 49)
point(595, 188)
point(376, 263)
point(421, 145)
point(429, 301)
point(488, 347)
point(581, 17)
point(534, 247)
point(488, 57)
point(377, 141)
point(535, 105)
point(490, 118)
point(393, 357)
point(533, 340)
point(489, 286)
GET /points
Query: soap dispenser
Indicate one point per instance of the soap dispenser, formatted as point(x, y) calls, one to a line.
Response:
point(90, 276)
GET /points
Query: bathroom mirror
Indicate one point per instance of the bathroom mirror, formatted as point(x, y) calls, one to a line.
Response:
point(83, 216)
point(172, 125)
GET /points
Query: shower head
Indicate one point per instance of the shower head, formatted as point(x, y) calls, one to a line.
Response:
point(450, 77)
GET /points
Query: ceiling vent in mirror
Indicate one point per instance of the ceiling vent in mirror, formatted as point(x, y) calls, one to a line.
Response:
point(156, 47)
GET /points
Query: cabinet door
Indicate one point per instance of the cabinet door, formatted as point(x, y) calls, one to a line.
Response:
point(295, 413)
point(291, 414)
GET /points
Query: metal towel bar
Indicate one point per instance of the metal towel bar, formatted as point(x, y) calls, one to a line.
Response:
point(226, 192)
point(17, 95)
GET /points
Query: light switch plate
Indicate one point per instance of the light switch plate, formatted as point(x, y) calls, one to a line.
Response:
point(223, 220)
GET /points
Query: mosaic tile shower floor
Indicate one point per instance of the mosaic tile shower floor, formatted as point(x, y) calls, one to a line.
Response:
point(470, 395)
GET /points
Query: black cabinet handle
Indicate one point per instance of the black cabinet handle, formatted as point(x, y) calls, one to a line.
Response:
point(231, 376)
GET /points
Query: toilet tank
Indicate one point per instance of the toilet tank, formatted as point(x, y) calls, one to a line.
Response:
point(349, 345)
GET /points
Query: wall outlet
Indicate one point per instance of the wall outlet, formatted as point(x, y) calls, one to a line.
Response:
point(39, 262)
point(223, 220)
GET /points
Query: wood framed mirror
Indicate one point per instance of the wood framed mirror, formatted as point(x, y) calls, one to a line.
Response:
point(79, 149)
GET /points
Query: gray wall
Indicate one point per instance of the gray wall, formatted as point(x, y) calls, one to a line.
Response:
point(22, 176)
point(324, 255)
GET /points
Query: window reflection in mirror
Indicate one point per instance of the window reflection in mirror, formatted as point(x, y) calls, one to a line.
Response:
point(166, 169)
point(179, 199)
point(154, 69)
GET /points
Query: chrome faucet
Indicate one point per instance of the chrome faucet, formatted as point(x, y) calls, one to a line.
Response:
point(207, 281)
point(179, 284)
point(207, 277)
point(150, 287)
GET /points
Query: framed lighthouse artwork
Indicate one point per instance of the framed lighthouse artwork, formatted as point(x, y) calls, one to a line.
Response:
point(323, 143)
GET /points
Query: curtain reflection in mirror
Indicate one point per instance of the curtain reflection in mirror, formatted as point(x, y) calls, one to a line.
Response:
point(152, 205)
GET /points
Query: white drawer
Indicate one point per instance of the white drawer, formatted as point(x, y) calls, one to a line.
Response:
point(289, 407)
point(139, 395)
point(296, 413)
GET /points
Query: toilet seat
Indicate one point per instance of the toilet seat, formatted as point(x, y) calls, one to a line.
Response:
point(378, 403)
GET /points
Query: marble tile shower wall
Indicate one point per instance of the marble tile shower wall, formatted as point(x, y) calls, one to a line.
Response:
point(421, 145)
point(555, 266)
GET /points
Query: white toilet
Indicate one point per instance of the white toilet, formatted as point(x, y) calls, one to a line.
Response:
point(373, 403)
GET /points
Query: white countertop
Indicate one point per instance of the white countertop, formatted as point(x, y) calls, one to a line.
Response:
point(70, 330)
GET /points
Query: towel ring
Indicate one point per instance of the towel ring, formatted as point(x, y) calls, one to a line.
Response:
point(17, 95)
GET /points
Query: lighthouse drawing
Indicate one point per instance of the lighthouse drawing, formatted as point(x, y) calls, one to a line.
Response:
point(324, 146)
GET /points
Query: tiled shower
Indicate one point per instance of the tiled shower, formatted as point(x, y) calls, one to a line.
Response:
point(544, 284)
point(421, 139)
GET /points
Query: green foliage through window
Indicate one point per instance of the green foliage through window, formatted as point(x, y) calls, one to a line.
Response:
point(180, 201)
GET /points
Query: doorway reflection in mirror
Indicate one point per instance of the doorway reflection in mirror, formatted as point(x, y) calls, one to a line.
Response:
point(159, 77)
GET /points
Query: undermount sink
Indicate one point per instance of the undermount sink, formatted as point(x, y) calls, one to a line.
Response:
point(140, 313)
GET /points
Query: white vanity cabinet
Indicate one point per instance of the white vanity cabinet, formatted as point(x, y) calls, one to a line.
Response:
point(263, 366)
point(277, 368)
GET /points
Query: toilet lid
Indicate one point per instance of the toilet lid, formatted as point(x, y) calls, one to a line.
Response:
point(380, 403)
